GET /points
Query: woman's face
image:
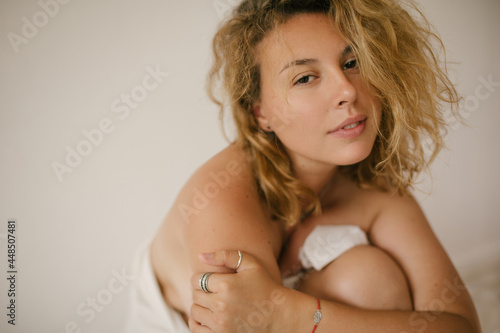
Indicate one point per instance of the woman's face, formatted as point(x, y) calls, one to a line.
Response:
point(312, 94)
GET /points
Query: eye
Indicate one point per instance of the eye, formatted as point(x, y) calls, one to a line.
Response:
point(304, 80)
point(351, 64)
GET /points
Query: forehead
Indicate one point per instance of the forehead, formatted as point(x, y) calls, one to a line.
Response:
point(310, 35)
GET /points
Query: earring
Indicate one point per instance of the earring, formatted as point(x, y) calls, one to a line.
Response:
point(268, 127)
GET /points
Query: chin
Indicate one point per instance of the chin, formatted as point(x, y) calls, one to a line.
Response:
point(353, 156)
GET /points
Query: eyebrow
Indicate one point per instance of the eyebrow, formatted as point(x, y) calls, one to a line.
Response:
point(347, 51)
point(299, 62)
point(309, 61)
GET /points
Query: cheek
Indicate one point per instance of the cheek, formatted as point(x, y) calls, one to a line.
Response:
point(283, 115)
point(307, 109)
point(295, 121)
point(285, 121)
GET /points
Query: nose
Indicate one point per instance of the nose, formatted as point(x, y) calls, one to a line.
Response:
point(344, 92)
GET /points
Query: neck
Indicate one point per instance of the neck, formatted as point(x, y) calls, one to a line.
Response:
point(316, 176)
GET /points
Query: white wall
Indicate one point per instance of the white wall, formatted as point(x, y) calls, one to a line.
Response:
point(464, 204)
point(64, 78)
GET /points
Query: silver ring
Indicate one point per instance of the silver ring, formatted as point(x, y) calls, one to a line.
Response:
point(203, 282)
point(239, 260)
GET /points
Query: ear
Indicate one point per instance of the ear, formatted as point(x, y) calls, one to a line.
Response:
point(261, 117)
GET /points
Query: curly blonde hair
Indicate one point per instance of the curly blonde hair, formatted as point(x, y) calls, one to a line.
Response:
point(397, 55)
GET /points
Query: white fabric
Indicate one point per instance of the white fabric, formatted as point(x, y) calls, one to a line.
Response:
point(148, 310)
point(327, 242)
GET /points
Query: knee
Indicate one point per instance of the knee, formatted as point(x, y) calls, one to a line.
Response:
point(367, 277)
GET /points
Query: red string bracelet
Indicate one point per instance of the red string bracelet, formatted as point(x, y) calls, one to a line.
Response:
point(317, 316)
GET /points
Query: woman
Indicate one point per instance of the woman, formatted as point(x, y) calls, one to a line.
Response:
point(331, 100)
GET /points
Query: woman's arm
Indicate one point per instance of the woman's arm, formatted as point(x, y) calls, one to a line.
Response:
point(251, 301)
point(441, 302)
point(221, 210)
point(403, 231)
point(218, 208)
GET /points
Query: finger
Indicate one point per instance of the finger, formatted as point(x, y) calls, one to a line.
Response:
point(196, 327)
point(201, 315)
point(202, 299)
point(196, 279)
point(230, 259)
point(213, 283)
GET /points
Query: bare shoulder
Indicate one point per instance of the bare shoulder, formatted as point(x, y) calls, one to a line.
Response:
point(396, 206)
point(220, 208)
point(394, 214)
point(387, 217)
point(370, 209)
point(223, 181)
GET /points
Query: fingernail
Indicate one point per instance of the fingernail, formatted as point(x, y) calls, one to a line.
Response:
point(207, 255)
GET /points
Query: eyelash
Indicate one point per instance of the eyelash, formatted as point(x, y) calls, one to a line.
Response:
point(301, 78)
point(355, 61)
point(353, 65)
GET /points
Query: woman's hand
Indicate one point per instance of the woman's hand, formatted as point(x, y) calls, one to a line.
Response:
point(246, 301)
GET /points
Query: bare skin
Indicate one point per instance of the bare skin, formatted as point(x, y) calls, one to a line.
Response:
point(364, 276)
point(175, 249)
point(312, 77)
point(234, 218)
point(177, 245)
point(310, 87)
point(426, 288)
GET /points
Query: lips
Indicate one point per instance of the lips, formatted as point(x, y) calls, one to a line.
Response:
point(350, 128)
point(349, 123)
